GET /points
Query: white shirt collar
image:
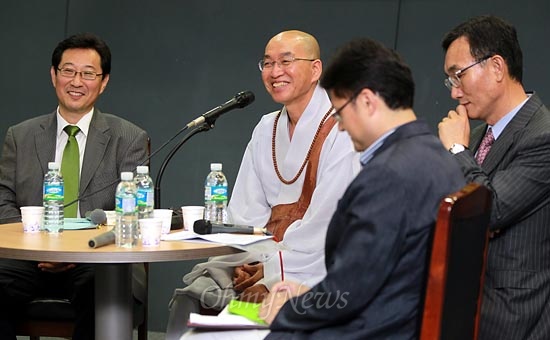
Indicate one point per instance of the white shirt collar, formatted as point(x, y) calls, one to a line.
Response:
point(503, 122)
point(83, 123)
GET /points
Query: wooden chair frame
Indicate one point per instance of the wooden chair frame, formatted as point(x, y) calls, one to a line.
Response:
point(457, 266)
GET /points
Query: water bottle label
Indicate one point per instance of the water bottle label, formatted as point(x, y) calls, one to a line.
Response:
point(125, 205)
point(218, 193)
point(53, 192)
point(145, 198)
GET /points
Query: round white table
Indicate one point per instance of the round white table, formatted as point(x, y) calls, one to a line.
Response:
point(113, 281)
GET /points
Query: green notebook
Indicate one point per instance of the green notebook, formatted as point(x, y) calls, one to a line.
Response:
point(249, 310)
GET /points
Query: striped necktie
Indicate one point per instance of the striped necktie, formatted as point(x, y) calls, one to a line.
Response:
point(485, 146)
point(70, 169)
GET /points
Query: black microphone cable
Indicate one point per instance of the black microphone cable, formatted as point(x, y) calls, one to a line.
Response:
point(79, 198)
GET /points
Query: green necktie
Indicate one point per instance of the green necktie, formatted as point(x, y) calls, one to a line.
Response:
point(70, 169)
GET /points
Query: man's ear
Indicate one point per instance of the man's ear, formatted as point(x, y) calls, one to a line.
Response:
point(104, 82)
point(369, 100)
point(317, 69)
point(498, 66)
point(53, 75)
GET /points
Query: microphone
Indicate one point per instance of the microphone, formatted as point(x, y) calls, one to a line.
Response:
point(102, 239)
point(96, 216)
point(240, 100)
point(203, 227)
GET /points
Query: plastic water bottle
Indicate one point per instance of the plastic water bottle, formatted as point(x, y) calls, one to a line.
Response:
point(145, 193)
point(126, 233)
point(53, 199)
point(215, 195)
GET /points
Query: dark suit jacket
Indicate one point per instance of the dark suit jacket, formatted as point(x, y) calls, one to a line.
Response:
point(113, 145)
point(377, 245)
point(516, 301)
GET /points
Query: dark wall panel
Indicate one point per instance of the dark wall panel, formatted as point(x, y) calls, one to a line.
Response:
point(174, 60)
point(29, 31)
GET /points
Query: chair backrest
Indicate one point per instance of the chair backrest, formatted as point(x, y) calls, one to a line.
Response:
point(53, 317)
point(457, 265)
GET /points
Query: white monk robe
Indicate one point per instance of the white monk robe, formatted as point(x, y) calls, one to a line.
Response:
point(257, 189)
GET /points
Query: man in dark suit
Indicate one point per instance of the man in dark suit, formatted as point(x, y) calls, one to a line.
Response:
point(510, 154)
point(378, 240)
point(107, 146)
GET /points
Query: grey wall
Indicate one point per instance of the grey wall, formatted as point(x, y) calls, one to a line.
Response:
point(174, 60)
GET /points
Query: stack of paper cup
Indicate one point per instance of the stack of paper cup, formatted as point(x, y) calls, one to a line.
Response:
point(151, 230)
point(166, 216)
point(32, 218)
point(191, 213)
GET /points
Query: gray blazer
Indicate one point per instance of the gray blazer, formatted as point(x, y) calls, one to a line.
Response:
point(113, 145)
point(516, 300)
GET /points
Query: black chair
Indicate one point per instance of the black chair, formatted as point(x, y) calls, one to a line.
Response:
point(54, 317)
point(47, 317)
point(457, 266)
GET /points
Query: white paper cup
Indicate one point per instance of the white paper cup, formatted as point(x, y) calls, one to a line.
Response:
point(166, 216)
point(151, 229)
point(32, 218)
point(111, 217)
point(191, 213)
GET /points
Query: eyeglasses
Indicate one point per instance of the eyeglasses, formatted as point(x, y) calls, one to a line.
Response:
point(337, 114)
point(454, 79)
point(283, 63)
point(71, 73)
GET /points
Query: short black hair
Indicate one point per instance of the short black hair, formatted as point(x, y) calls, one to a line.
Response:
point(490, 35)
point(366, 63)
point(87, 41)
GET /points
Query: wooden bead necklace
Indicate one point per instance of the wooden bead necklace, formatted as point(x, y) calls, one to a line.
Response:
point(274, 155)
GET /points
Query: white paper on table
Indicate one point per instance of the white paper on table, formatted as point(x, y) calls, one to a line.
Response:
point(228, 321)
point(222, 238)
point(248, 334)
point(224, 320)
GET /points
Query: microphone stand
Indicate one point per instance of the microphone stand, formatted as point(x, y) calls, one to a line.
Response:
point(80, 198)
point(205, 126)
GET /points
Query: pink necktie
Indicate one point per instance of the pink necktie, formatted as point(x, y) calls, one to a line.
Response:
point(485, 146)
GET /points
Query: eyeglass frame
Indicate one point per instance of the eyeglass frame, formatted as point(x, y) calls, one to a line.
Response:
point(453, 80)
point(337, 113)
point(81, 73)
point(261, 63)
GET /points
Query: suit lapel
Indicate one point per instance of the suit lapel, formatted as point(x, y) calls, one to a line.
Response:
point(506, 139)
point(96, 144)
point(45, 141)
